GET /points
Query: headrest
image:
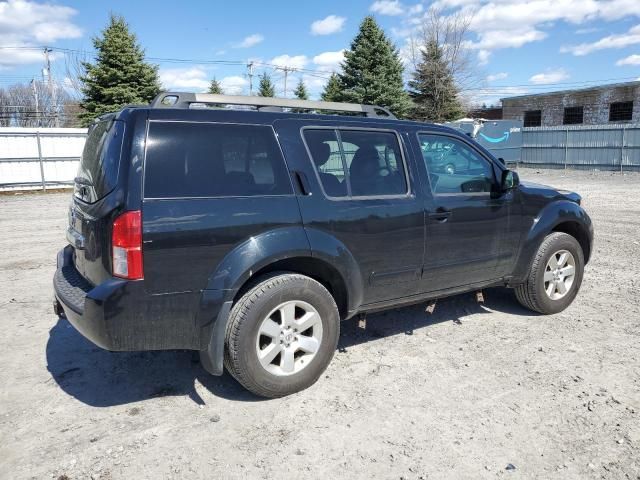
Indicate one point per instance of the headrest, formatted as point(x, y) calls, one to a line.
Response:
point(365, 161)
point(320, 153)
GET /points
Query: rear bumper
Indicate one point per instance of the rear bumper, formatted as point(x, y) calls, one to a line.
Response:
point(119, 315)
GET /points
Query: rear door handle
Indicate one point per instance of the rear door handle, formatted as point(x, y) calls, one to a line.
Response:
point(303, 182)
point(440, 215)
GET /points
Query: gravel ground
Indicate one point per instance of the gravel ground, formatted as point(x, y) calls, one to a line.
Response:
point(472, 391)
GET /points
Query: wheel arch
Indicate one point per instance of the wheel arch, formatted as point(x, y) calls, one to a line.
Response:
point(577, 231)
point(560, 216)
point(321, 271)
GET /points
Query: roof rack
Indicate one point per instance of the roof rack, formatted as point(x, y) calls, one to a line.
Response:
point(187, 99)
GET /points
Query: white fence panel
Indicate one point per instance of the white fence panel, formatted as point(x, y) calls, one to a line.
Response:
point(24, 163)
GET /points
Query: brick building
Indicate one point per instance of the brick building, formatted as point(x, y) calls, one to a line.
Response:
point(615, 103)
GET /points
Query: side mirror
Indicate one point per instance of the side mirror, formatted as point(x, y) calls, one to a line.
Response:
point(510, 180)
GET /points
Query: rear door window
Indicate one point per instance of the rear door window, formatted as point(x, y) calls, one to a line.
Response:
point(188, 159)
point(325, 152)
point(366, 163)
point(98, 170)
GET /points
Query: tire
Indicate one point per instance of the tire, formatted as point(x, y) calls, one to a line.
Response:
point(533, 294)
point(262, 309)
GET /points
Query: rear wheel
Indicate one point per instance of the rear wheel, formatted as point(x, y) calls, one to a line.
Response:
point(282, 334)
point(555, 276)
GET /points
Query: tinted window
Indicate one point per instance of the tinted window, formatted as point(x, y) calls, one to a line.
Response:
point(365, 163)
point(100, 160)
point(212, 160)
point(455, 167)
point(325, 153)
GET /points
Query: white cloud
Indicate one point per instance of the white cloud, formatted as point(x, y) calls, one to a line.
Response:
point(491, 97)
point(584, 31)
point(550, 76)
point(234, 85)
point(620, 40)
point(329, 61)
point(27, 24)
point(193, 78)
point(296, 61)
point(387, 7)
point(250, 41)
point(483, 57)
point(498, 24)
point(496, 39)
point(497, 76)
point(630, 60)
point(328, 25)
point(416, 9)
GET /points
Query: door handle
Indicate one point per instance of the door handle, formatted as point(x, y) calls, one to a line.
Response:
point(440, 215)
point(303, 182)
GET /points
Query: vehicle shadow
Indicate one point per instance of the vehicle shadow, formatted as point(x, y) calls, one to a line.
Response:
point(100, 378)
point(409, 319)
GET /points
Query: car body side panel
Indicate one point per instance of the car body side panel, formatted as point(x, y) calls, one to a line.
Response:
point(329, 249)
point(255, 253)
point(185, 240)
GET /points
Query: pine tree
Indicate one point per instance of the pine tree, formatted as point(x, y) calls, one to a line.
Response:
point(215, 87)
point(301, 91)
point(433, 88)
point(266, 87)
point(332, 90)
point(120, 76)
point(372, 71)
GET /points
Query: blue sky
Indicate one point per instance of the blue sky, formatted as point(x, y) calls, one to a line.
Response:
point(517, 46)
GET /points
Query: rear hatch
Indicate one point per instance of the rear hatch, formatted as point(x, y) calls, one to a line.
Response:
point(92, 209)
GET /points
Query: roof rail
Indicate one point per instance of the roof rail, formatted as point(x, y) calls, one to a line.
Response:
point(186, 99)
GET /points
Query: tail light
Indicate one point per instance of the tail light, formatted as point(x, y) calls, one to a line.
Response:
point(126, 242)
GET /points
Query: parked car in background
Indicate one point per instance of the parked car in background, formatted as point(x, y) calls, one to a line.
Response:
point(249, 235)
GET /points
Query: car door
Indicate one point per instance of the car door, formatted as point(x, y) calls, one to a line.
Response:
point(467, 218)
point(359, 194)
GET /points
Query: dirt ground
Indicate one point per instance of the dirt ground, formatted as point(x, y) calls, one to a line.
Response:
point(471, 391)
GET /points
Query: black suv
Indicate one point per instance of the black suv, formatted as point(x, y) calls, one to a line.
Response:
point(249, 234)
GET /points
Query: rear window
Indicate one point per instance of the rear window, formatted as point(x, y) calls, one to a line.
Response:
point(357, 163)
point(98, 170)
point(213, 160)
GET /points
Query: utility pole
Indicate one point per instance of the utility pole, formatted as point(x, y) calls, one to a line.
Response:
point(250, 75)
point(52, 88)
point(286, 71)
point(35, 96)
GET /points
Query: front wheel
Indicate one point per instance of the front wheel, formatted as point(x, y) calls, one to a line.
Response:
point(555, 276)
point(281, 335)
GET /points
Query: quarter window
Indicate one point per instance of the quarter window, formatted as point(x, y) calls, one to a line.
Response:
point(454, 167)
point(213, 160)
point(357, 163)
